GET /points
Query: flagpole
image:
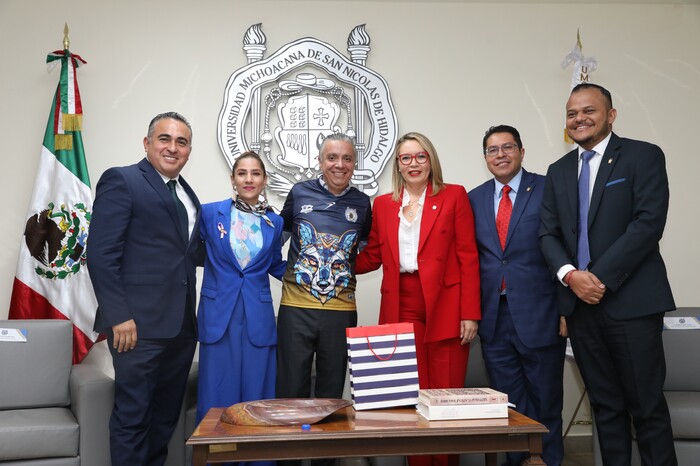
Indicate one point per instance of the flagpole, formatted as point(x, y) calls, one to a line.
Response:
point(66, 40)
point(578, 39)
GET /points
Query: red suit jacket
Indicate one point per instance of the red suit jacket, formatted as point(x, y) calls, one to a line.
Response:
point(448, 260)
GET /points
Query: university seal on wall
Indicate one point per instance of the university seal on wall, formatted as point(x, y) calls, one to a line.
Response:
point(283, 106)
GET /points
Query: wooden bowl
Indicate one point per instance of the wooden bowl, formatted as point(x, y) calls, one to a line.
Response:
point(282, 411)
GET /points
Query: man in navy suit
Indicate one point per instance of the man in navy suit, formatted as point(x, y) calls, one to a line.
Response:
point(143, 249)
point(521, 329)
point(613, 286)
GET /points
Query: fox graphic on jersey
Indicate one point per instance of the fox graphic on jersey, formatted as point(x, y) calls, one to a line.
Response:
point(326, 231)
point(322, 267)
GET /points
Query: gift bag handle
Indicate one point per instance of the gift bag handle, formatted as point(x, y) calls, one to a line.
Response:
point(389, 356)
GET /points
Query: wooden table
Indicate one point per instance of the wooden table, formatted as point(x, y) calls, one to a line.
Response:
point(350, 433)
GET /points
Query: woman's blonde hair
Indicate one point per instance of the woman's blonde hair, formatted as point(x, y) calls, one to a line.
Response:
point(435, 177)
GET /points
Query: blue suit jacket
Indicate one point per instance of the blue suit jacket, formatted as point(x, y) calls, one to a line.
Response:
point(225, 282)
point(531, 290)
point(626, 220)
point(140, 266)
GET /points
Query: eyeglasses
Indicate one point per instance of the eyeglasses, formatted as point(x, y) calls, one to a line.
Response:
point(407, 159)
point(507, 149)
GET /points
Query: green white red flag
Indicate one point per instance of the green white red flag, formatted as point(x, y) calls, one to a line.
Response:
point(52, 280)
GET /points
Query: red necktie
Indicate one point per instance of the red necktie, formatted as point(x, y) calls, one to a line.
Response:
point(505, 208)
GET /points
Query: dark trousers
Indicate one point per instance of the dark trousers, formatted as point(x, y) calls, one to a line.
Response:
point(623, 366)
point(303, 333)
point(533, 380)
point(149, 385)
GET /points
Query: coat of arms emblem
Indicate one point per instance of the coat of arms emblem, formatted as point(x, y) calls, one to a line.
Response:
point(283, 106)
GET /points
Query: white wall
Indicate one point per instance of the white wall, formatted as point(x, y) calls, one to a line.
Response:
point(454, 69)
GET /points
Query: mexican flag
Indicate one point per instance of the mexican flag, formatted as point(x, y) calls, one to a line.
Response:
point(52, 280)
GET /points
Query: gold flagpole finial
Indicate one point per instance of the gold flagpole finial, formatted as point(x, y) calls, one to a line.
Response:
point(578, 39)
point(66, 41)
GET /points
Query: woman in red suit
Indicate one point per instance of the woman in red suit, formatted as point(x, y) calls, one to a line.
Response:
point(423, 238)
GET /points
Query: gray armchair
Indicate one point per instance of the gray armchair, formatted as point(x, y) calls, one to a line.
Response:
point(682, 391)
point(51, 413)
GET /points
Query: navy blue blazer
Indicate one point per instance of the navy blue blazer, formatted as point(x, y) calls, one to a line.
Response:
point(224, 281)
point(140, 266)
point(626, 220)
point(531, 290)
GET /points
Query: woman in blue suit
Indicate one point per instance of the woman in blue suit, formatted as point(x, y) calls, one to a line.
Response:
point(237, 331)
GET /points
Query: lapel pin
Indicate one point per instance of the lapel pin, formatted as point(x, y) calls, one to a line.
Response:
point(610, 160)
point(434, 207)
point(221, 229)
point(528, 188)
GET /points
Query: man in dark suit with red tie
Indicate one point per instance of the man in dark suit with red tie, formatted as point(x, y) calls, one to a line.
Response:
point(143, 249)
point(520, 324)
point(603, 215)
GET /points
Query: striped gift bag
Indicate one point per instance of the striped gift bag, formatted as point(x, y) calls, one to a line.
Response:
point(382, 364)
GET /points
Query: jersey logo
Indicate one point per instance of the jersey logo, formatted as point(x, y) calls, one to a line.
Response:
point(351, 215)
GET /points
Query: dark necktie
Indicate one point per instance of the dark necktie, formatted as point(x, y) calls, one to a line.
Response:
point(583, 255)
point(181, 210)
point(505, 208)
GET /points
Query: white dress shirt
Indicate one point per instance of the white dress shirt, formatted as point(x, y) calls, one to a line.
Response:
point(409, 234)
